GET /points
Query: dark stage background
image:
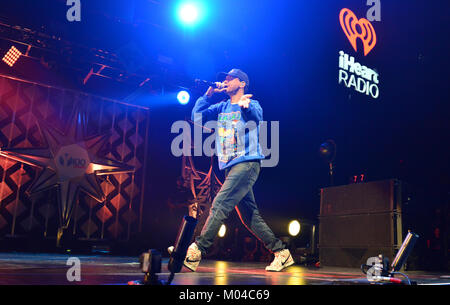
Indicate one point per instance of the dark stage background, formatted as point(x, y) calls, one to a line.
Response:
point(290, 50)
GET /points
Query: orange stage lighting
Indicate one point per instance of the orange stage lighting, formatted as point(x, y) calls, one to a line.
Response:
point(11, 56)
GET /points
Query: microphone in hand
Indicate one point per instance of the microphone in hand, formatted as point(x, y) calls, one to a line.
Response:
point(214, 87)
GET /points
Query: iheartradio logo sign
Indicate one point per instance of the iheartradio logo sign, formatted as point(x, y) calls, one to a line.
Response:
point(353, 74)
point(354, 29)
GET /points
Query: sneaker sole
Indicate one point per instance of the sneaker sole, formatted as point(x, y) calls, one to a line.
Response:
point(191, 265)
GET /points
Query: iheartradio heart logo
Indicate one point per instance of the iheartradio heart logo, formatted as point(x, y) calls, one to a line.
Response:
point(354, 29)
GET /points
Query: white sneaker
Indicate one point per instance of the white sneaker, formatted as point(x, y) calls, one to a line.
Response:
point(193, 256)
point(282, 260)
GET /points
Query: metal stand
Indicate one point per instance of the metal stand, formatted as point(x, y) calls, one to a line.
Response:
point(331, 174)
point(383, 275)
point(327, 151)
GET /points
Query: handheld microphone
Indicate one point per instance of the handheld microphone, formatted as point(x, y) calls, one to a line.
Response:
point(218, 85)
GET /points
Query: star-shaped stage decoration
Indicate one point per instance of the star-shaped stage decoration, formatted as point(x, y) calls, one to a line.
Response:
point(70, 163)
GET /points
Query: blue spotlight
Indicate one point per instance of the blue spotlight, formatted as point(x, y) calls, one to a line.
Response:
point(189, 13)
point(183, 97)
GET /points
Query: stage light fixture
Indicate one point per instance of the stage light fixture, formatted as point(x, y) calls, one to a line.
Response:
point(294, 228)
point(151, 261)
point(381, 265)
point(222, 231)
point(188, 13)
point(12, 56)
point(404, 251)
point(183, 97)
point(181, 245)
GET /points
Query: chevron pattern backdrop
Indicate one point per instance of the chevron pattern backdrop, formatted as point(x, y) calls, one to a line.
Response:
point(22, 105)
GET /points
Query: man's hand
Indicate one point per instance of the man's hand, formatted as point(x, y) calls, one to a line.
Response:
point(245, 100)
point(211, 90)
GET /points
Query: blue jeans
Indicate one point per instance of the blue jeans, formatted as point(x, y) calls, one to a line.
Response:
point(237, 193)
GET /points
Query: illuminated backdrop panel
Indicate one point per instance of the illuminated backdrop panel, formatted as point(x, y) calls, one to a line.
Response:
point(22, 106)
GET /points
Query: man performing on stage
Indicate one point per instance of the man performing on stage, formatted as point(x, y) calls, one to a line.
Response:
point(239, 154)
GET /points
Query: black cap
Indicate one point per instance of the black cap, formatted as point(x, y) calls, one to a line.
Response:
point(239, 74)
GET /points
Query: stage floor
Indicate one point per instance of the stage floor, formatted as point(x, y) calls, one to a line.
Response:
point(52, 269)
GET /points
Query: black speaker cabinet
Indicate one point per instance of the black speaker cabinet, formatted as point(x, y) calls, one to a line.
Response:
point(359, 221)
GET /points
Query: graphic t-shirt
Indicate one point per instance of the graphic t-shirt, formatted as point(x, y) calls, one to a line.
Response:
point(237, 134)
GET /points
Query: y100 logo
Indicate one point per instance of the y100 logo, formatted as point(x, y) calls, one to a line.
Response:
point(70, 161)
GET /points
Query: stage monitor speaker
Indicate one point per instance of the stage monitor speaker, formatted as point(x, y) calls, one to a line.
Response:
point(359, 221)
